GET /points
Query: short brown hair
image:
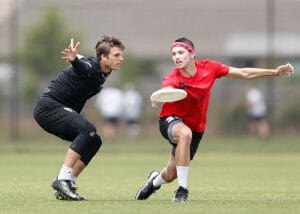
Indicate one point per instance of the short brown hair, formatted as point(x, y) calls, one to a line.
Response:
point(104, 45)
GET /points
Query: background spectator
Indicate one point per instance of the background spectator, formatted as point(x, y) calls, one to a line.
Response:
point(109, 104)
point(132, 103)
point(257, 110)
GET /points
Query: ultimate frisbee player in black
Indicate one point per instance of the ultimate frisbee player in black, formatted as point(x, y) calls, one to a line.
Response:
point(58, 109)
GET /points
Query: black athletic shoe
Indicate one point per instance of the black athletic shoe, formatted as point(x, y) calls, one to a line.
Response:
point(61, 196)
point(73, 187)
point(181, 195)
point(145, 191)
point(66, 190)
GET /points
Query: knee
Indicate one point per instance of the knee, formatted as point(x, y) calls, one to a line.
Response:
point(89, 129)
point(96, 141)
point(86, 139)
point(185, 134)
point(87, 148)
point(93, 140)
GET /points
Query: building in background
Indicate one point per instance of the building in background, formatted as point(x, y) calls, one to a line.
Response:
point(218, 28)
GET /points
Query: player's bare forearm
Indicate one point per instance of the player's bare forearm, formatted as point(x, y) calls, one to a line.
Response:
point(253, 73)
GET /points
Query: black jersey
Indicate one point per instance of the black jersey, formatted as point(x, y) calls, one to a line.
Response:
point(77, 83)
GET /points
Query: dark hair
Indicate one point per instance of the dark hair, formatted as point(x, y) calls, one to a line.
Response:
point(104, 45)
point(186, 41)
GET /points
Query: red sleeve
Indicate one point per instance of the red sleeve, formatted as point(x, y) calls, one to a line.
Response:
point(220, 69)
point(169, 81)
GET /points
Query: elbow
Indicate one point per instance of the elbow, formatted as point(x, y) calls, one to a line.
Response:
point(242, 73)
point(247, 76)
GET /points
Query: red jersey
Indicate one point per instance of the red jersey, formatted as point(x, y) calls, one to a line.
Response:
point(193, 109)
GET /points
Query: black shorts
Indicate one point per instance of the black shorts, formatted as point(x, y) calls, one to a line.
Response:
point(165, 126)
point(57, 119)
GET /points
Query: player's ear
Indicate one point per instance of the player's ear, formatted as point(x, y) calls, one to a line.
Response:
point(193, 54)
point(102, 57)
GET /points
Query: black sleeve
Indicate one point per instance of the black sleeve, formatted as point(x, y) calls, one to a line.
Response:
point(84, 66)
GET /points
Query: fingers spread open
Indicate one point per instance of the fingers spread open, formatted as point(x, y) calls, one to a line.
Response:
point(77, 46)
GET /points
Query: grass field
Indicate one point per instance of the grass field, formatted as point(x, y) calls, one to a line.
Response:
point(227, 176)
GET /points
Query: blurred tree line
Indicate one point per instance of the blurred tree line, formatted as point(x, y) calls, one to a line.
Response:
point(40, 56)
point(41, 52)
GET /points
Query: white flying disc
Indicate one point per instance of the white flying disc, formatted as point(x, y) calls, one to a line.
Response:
point(168, 95)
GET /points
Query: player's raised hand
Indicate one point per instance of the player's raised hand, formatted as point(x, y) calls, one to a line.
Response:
point(286, 69)
point(70, 53)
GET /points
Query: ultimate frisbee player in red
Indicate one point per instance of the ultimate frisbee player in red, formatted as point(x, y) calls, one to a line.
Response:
point(183, 122)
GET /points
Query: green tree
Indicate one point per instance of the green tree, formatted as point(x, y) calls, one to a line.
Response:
point(129, 70)
point(134, 70)
point(41, 52)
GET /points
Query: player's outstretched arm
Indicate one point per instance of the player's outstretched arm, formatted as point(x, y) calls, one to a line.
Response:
point(253, 73)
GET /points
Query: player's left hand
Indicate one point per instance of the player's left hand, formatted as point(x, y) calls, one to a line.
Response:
point(70, 53)
point(286, 69)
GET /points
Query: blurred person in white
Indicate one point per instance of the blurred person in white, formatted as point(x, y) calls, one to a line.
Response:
point(132, 104)
point(109, 104)
point(257, 111)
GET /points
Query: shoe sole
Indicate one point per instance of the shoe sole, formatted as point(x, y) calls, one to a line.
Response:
point(176, 201)
point(61, 196)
